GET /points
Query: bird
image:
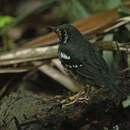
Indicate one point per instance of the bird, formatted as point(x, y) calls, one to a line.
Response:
point(82, 58)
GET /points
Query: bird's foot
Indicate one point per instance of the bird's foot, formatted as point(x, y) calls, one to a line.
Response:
point(81, 96)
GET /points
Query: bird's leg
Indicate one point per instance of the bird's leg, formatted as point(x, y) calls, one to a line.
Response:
point(81, 96)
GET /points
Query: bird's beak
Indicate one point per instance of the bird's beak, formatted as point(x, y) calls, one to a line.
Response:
point(52, 28)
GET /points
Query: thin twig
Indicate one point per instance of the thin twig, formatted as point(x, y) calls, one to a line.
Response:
point(29, 54)
point(115, 26)
point(15, 70)
point(111, 45)
point(57, 63)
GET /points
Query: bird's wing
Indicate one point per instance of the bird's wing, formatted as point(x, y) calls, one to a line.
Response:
point(89, 64)
point(96, 57)
point(90, 72)
point(77, 64)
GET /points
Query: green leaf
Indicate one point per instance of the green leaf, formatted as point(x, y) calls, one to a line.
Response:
point(4, 20)
point(126, 103)
point(124, 11)
point(113, 3)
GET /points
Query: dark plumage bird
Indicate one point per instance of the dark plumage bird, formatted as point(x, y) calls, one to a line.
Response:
point(81, 57)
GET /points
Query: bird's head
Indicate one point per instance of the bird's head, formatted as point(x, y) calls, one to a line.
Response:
point(66, 32)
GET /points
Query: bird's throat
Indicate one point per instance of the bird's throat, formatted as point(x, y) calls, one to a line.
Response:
point(63, 36)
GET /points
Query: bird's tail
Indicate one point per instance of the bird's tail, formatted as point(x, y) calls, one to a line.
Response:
point(117, 89)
